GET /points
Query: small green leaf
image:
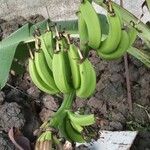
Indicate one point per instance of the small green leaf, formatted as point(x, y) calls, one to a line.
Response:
point(6, 57)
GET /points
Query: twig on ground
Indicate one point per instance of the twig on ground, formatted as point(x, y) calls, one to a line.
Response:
point(129, 97)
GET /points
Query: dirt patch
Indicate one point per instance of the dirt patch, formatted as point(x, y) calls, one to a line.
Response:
point(28, 107)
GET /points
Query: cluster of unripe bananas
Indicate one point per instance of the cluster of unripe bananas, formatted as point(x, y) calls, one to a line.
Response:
point(118, 40)
point(71, 127)
point(58, 66)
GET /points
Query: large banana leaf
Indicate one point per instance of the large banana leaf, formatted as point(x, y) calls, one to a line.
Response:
point(7, 51)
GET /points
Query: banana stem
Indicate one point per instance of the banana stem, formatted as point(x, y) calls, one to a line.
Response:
point(66, 105)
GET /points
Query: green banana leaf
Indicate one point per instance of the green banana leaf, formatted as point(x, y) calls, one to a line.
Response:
point(6, 57)
point(7, 51)
point(140, 55)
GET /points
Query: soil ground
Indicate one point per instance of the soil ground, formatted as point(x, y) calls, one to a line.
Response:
point(23, 106)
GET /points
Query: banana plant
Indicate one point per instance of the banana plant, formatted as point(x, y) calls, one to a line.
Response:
point(67, 70)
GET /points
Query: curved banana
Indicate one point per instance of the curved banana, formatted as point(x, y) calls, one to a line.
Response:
point(88, 79)
point(110, 44)
point(62, 72)
point(49, 42)
point(121, 49)
point(37, 80)
point(47, 48)
point(43, 70)
point(73, 134)
point(73, 59)
point(83, 34)
point(93, 24)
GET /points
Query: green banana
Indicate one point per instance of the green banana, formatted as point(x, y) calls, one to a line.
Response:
point(83, 34)
point(110, 44)
point(47, 49)
point(132, 32)
point(62, 71)
point(82, 120)
point(43, 70)
point(49, 42)
point(37, 80)
point(121, 49)
point(73, 59)
point(93, 24)
point(88, 79)
point(73, 134)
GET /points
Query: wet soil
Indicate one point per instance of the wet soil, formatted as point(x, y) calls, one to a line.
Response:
point(23, 106)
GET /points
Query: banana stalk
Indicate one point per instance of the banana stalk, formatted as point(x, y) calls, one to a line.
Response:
point(66, 105)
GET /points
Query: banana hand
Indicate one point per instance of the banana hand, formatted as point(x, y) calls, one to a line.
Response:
point(37, 79)
point(43, 70)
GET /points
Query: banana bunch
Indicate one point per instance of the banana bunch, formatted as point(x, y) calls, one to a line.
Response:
point(118, 39)
point(72, 126)
point(126, 40)
point(40, 66)
point(63, 69)
point(44, 142)
point(71, 72)
point(58, 66)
